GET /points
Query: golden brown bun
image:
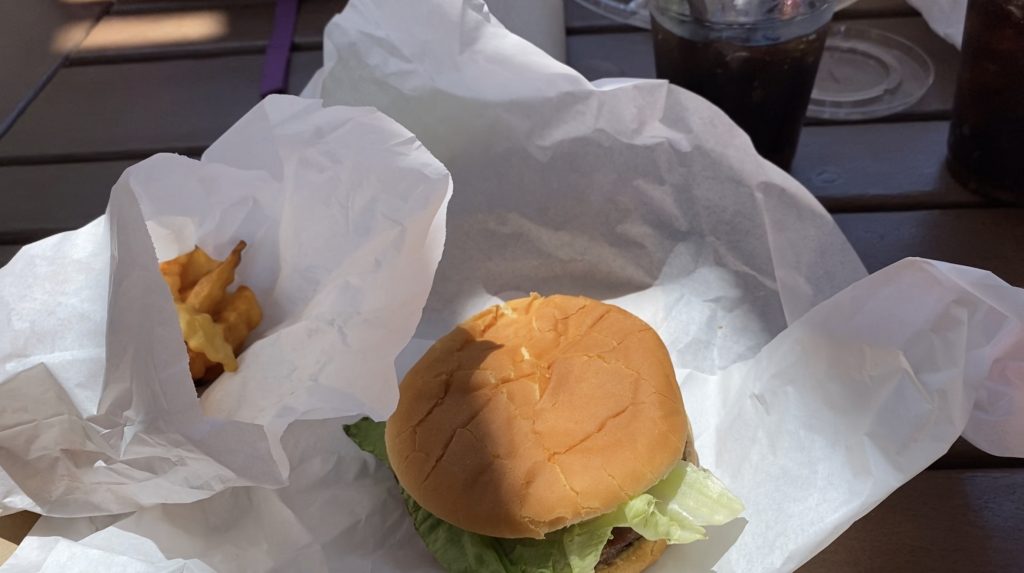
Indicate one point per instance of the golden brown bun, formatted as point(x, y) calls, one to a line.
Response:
point(637, 557)
point(537, 414)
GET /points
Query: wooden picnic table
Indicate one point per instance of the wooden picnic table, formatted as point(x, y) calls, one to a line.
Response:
point(93, 86)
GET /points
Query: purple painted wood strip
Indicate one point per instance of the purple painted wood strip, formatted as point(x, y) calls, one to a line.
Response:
point(279, 48)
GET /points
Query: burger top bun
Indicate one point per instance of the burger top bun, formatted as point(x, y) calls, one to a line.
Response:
point(537, 414)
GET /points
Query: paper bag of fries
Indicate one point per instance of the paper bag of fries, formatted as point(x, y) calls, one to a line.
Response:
point(109, 333)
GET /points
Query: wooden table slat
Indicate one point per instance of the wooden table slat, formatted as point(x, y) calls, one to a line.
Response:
point(986, 238)
point(851, 167)
point(964, 455)
point(613, 55)
point(40, 33)
point(7, 252)
point(45, 199)
point(13, 529)
point(848, 168)
point(125, 6)
point(200, 31)
point(941, 521)
point(141, 108)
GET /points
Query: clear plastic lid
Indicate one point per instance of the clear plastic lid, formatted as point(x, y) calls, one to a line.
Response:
point(866, 73)
point(628, 11)
point(635, 11)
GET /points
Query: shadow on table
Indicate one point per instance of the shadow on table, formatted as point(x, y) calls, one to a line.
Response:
point(906, 532)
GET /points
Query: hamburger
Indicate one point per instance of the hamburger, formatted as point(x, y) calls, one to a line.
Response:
point(548, 434)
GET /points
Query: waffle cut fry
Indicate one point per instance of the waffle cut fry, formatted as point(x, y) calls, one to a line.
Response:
point(214, 322)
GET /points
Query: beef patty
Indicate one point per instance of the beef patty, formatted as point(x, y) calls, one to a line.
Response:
point(622, 538)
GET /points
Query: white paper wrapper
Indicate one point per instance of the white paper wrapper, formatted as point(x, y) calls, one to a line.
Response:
point(844, 406)
point(629, 189)
point(946, 17)
point(811, 405)
point(344, 214)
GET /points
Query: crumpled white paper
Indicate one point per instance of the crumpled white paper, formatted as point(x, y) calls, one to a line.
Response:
point(343, 211)
point(844, 406)
point(620, 189)
point(946, 17)
point(811, 405)
point(854, 399)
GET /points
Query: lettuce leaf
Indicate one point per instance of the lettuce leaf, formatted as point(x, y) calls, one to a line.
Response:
point(457, 550)
point(695, 494)
point(369, 436)
point(583, 543)
point(679, 507)
point(676, 509)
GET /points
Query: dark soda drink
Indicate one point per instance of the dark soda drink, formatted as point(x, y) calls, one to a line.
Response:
point(758, 68)
point(986, 137)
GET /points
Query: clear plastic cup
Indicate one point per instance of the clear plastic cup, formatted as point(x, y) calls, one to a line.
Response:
point(755, 59)
point(986, 137)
